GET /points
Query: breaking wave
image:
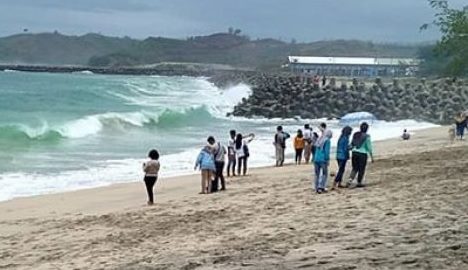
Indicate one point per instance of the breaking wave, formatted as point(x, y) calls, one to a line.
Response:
point(93, 124)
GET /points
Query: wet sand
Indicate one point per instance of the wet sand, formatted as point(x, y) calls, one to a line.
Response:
point(412, 215)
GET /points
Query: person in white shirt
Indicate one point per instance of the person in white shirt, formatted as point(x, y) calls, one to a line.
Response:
point(151, 169)
point(242, 152)
point(307, 142)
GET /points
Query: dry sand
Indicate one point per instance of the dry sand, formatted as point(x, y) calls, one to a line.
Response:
point(412, 215)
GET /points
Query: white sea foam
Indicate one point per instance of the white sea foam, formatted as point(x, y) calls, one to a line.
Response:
point(127, 170)
point(84, 72)
point(162, 101)
point(217, 102)
point(10, 70)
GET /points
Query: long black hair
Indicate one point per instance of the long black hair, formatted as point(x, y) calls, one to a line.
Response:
point(239, 139)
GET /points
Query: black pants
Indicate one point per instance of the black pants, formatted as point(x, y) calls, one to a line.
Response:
point(299, 155)
point(231, 166)
point(341, 170)
point(359, 163)
point(218, 176)
point(242, 164)
point(149, 182)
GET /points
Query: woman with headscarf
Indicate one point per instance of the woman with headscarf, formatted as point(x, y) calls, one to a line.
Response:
point(342, 155)
point(361, 149)
point(322, 161)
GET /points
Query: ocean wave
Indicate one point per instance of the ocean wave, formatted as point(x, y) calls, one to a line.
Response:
point(158, 104)
point(112, 171)
point(19, 133)
point(94, 124)
point(183, 94)
point(84, 72)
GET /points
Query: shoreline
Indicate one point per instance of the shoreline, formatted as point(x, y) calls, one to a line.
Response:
point(270, 219)
point(176, 176)
point(173, 182)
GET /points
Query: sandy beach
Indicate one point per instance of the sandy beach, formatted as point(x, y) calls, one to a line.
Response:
point(412, 215)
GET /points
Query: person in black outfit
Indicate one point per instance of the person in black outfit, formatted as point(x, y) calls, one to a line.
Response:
point(219, 156)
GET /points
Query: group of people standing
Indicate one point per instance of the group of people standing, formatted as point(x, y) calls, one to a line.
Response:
point(211, 161)
point(316, 148)
point(360, 147)
point(309, 145)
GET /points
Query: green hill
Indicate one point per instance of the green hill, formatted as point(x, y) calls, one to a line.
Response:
point(58, 49)
point(221, 48)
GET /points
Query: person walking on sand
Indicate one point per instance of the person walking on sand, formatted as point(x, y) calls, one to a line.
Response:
point(205, 161)
point(231, 167)
point(242, 152)
point(307, 143)
point(280, 145)
point(299, 145)
point(361, 149)
point(220, 159)
point(461, 123)
point(151, 169)
point(322, 161)
point(342, 155)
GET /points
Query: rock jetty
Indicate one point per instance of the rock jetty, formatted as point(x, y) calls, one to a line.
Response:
point(277, 96)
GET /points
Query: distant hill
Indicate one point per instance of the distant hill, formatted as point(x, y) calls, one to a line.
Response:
point(58, 49)
point(221, 48)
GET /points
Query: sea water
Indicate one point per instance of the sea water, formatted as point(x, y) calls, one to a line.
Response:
point(61, 132)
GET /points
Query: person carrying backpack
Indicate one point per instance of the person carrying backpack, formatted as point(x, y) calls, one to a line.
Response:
point(242, 152)
point(280, 145)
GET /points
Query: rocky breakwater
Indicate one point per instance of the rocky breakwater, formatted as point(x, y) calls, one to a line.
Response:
point(435, 101)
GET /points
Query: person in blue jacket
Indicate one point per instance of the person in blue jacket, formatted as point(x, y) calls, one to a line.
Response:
point(342, 155)
point(205, 161)
point(322, 161)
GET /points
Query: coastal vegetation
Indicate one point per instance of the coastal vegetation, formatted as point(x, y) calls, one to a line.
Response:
point(230, 48)
point(449, 56)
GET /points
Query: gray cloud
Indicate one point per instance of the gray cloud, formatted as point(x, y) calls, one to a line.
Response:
point(87, 5)
point(305, 20)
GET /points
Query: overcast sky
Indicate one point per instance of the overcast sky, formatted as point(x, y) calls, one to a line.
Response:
point(305, 20)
